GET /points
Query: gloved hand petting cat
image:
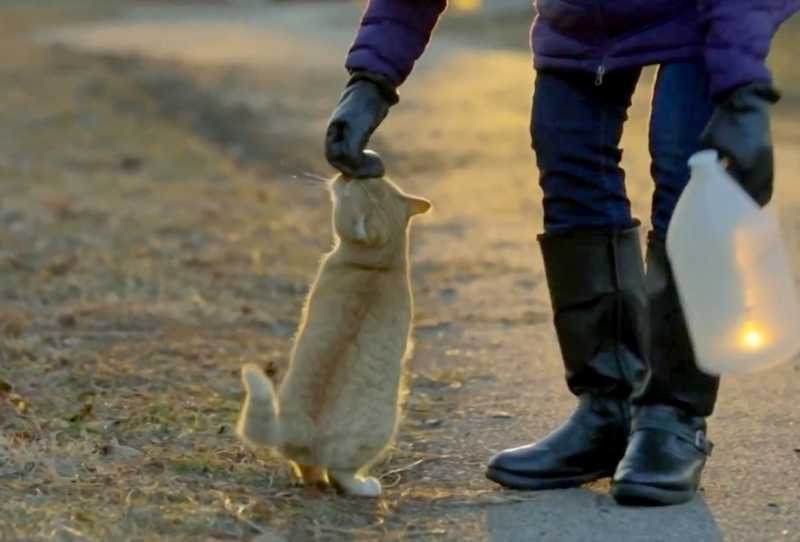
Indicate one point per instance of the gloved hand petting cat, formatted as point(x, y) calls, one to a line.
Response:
point(363, 106)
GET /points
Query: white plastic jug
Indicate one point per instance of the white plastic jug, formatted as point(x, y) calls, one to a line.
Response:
point(733, 274)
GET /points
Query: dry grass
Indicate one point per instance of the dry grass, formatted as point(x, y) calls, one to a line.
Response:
point(152, 240)
point(148, 248)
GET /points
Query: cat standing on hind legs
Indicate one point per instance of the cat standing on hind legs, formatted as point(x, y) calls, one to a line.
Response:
point(337, 409)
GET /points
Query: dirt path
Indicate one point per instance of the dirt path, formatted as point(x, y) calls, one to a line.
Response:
point(210, 242)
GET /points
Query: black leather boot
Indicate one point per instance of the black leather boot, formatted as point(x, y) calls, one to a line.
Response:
point(596, 282)
point(665, 457)
point(668, 445)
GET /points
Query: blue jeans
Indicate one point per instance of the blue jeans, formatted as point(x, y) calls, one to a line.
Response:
point(576, 128)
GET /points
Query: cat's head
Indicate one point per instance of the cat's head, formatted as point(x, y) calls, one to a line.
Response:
point(372, 212)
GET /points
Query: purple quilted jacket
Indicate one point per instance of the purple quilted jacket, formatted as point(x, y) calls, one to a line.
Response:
point(597, 36)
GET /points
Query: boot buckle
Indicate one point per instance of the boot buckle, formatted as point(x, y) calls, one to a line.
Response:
point(702, 442)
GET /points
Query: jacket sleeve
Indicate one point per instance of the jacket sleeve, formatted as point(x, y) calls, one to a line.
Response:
point(393, 35)
point(738, 37)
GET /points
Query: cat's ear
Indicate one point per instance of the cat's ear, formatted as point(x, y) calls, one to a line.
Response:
point(361, 228)
point(417, 206)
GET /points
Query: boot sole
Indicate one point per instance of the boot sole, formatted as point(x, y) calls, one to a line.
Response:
point(516, 481)
point(644, 495)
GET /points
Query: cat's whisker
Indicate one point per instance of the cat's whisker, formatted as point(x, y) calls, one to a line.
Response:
point(311, 178)
point(315, 177)
point(302, 179)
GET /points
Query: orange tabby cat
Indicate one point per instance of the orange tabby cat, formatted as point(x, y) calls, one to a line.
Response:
point(338, 406)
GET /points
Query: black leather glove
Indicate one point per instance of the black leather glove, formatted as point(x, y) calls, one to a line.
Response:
point(739, 130)
point(364, 104)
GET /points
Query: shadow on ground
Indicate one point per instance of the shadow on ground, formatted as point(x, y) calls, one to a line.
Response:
point(582, 515)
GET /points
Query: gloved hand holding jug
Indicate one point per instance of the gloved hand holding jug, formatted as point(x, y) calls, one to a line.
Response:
point(739, 130)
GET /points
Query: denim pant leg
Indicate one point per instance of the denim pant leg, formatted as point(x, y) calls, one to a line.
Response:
point(576, 127)
point(681, 109)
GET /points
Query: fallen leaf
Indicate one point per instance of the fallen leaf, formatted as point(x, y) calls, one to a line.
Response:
point(131, 164)
point(61, 266)
point(67, 319)
point(62, 209)
point(196, 261)
point(85, 412)
point(5, 389)
point(19, 403)
point(80, 516)
point(115, 451)
point(17, 263)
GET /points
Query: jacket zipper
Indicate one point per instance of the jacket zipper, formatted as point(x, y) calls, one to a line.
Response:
point(601, 23)
point(601, 71)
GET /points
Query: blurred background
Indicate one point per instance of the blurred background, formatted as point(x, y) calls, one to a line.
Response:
point(158, 229)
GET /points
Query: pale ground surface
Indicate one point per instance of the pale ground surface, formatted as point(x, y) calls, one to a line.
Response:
point(154, 238)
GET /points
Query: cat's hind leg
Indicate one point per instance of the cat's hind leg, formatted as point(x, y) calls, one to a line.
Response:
point(357, 486)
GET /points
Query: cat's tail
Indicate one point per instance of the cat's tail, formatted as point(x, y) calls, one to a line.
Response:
point(259, 421)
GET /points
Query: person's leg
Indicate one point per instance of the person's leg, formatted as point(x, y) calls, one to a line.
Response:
point(576, 127)
point(595, 274)
point(668, 447)
point(681, 109)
